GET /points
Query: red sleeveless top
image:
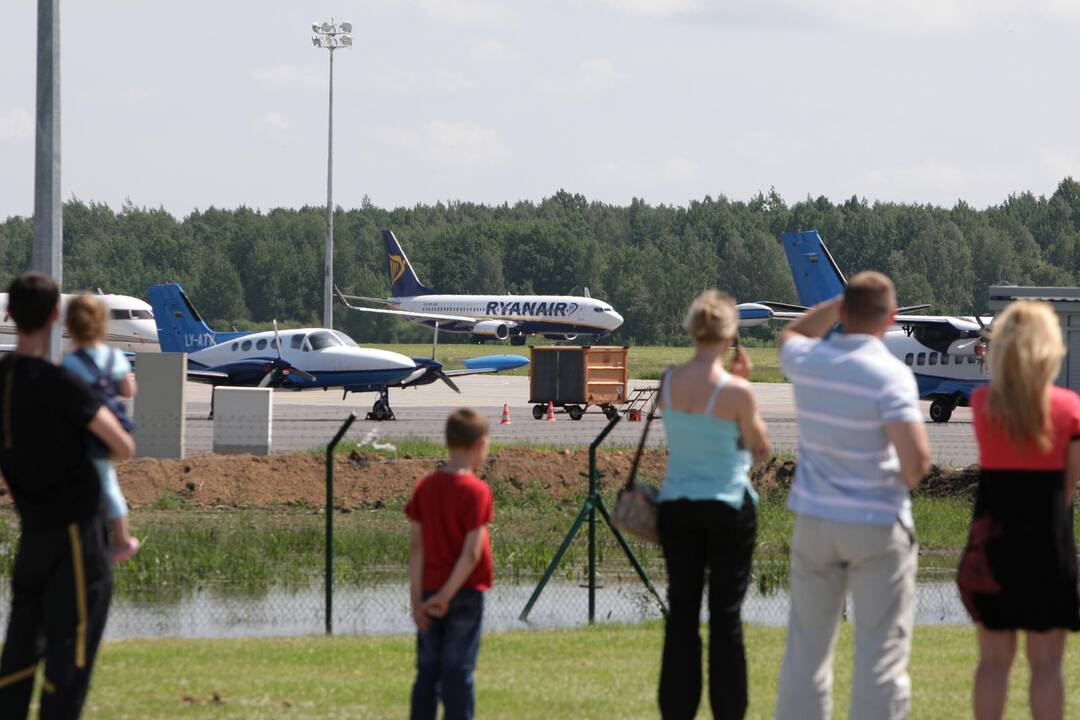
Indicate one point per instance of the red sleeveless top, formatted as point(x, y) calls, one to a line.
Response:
point(996, 452)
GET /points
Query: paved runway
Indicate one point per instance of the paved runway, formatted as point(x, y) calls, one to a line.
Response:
point(305, 420)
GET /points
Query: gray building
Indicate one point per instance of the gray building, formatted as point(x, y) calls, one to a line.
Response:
point(1066, 303)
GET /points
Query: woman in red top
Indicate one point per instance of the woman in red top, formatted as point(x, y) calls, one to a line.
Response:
point(1019, 569)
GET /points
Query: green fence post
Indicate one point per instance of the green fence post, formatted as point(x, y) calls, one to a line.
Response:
point(329, 572)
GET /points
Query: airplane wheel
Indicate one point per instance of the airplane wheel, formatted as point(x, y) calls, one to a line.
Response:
point(575, 412)
point(941, 410)
point(380, 411)
point(539, 411)
point(517, 340)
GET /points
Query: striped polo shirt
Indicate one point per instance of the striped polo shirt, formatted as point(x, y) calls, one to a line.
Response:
point(847, 389)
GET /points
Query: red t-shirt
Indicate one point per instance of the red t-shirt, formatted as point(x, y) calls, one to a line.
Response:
point(448, 507)
point(997, 453)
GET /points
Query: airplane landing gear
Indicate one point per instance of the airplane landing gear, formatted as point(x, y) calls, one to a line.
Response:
point(942, 409)
point(381, 410)
point(517, 340)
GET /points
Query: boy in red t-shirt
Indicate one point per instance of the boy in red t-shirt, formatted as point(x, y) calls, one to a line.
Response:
point(449, 569)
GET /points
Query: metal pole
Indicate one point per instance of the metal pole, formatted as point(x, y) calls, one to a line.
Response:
point(48, 253)
point(328, 279)
point(328, 579)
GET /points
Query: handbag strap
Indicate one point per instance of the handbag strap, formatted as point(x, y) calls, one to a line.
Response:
point(632, 475)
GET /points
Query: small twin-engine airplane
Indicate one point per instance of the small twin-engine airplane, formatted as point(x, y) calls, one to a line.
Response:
point(298, 359)
point(487, 317)
point(131, 323)
point(945, 353)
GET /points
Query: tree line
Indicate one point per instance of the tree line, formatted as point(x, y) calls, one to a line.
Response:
point(244, 268)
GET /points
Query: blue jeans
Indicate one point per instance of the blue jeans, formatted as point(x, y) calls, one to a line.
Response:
point(446, 658)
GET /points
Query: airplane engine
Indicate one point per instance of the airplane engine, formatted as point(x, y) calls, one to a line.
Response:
point(487, 329)
point(753, 314)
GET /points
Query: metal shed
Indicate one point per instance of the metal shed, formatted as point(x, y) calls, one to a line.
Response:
point(1066, 303)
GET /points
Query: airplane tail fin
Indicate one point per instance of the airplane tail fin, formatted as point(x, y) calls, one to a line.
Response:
point(403, 280)
point(817, 277)
point(180, 327)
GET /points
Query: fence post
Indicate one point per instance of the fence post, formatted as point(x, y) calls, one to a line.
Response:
point(329, 578)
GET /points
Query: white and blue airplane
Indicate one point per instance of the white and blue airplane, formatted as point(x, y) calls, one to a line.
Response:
point(488, 317)
point(297, 359)
point(945, 353)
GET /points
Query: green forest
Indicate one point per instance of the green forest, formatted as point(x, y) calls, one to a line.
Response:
point(243, 267)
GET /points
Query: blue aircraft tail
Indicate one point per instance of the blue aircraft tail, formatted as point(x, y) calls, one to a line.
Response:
point(179, 325)
point(403, 280)
point(817, 277)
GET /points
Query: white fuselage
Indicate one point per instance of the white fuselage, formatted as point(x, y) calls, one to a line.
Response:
point(526, 314)
point(131, 322)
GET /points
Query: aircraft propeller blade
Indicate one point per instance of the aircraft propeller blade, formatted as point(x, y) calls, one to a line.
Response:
point(453, 386)
point(277, 340)
point(302, 373)
point(266, 379)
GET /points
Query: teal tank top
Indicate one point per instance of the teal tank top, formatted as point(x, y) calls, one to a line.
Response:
point(706, 460)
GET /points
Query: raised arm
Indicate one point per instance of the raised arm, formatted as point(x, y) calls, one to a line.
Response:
point(816, 322)
point(109, 430)
point(913, 449)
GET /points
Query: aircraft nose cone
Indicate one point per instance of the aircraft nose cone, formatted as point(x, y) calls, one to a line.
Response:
point(618, 319)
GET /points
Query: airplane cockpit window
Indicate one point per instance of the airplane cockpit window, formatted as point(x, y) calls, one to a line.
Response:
point(120, 314)
point(260, 344)
point(142, 315)
point(246, 345)
point(296, 341)
point(323, 339)
point(921, 359)
point(909, 359)
point(345, 339)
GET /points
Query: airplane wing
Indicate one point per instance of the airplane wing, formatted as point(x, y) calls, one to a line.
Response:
point(209, 377)
point(438, 317)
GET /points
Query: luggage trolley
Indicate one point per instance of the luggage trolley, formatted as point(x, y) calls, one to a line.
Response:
point(572, 378)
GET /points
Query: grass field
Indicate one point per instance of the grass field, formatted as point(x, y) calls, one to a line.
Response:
point(646, 363)
point(599, 672)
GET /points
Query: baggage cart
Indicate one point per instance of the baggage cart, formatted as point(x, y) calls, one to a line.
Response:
point(573, 378)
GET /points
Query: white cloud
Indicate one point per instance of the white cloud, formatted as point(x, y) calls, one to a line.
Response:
point(457, 146)
point(139, 97)
point(766, 147)
point(1060, 163)
point(492, 51)
point(480, 13)
point(309, 78)
point(273, 125)
point(598, 73)
point(393, 80)
point(16, 126)
point(656, 8)
point(924, 180)
point(636, 175)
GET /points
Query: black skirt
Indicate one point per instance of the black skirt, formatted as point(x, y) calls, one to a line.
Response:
point(1019, 570)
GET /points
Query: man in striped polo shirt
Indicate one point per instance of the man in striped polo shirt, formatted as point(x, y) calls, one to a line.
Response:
point(862, 447)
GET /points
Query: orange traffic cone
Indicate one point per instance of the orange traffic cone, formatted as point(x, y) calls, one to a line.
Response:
point(506, 415)
point(551, 412)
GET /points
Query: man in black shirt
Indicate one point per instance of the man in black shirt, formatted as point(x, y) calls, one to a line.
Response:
point(63, 577)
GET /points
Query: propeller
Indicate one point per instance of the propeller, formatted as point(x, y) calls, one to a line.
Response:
point(446, 379)
point(281, 366)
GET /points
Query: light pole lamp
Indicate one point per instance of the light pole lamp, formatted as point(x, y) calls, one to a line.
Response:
point(332, 37)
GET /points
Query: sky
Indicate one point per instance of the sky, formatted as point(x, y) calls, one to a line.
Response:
point(198, 103)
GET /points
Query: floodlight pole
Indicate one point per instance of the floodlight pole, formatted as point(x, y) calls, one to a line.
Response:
point(328, 272)
point(48, 252)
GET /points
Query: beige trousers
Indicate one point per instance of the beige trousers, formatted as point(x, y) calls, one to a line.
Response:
point(877, 563)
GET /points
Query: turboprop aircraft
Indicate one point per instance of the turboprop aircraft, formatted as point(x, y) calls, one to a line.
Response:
point(945, 353)
point(131, 323)
point(487, 317)
point(297, 359)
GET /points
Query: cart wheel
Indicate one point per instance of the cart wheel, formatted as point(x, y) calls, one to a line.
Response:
point(575, 412)
point(611, 412)
point(539, 411)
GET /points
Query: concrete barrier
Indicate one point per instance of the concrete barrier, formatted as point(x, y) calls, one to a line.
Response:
point(242, 420)
point(159, 407)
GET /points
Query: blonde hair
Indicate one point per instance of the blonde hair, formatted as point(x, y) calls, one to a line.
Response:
point(86, 320)
point(712, 316)
point(1026, 351)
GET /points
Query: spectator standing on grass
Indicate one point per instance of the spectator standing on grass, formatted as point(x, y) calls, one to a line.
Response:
point(107, 372)
point(450, 568)
point(862, 446)
point(62, 579)
point(1019, 570)
point(707, 517)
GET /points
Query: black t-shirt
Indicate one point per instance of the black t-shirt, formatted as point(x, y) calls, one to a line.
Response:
point(44, 413)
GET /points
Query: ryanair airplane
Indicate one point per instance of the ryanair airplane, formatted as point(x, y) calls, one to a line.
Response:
point(488, 317)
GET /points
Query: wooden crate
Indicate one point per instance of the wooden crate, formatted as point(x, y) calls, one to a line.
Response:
point(578, 375)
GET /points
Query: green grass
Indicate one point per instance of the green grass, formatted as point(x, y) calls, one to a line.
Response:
point(598, 672)
point(646, 363)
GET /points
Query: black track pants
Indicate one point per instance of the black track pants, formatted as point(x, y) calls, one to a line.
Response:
point(60, 599)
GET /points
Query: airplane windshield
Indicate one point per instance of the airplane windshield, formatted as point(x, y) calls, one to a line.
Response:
point(142, 315)
point(323, 339)
point(345, 339)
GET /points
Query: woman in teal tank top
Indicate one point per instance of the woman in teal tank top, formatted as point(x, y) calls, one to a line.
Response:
point(707, 511)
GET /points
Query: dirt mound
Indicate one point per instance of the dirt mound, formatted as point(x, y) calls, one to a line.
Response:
point(368, 480)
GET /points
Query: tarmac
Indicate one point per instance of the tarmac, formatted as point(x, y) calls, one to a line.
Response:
point(308, 420)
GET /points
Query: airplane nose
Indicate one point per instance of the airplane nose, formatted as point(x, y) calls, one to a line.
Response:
point(617, 318)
